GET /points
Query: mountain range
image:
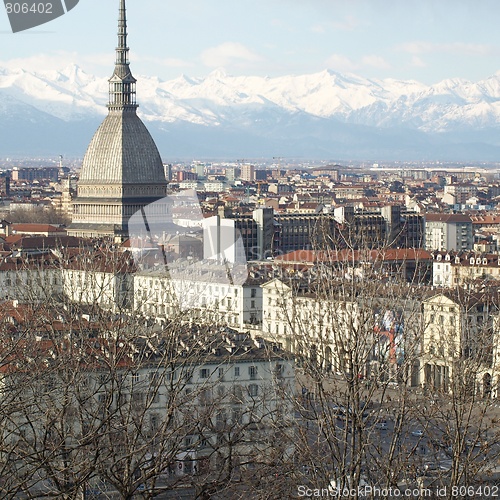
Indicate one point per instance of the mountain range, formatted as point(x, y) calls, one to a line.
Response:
point(325, 115)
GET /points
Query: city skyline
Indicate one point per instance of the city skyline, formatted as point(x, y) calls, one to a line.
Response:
point(421, 41)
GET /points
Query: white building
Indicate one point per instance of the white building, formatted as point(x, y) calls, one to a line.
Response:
point(459, 341)
point(34, 279)
point(447, 232)
point(207, 297)
point(183, 402)
point(102, 278)
point(215, 186)
point(452, 269)
point(311, 325)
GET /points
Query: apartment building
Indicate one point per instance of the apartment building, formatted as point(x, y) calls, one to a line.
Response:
point(461, 192)
point(178, 404)
point(321, 327)
point(385, 226)
point(448, 232)
point(247, 173)
point(205, 296)
point(458, 341)
point(101, 278)
point(452, 269)
point(31, 279)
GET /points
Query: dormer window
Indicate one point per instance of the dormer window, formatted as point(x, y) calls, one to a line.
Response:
point(472, 260)
point(485, 261)
point(439, 257)
point(447, 257)
point(478, 261)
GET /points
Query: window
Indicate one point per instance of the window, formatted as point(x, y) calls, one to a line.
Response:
point(253, 292)
point(153, 422)
point(236, 371)
point(237, 416)
point(221, 373)
point(252, 304)
point(237, 396)
point(220, 419)
point(252, 372)
point(137, 398)
point(205, 397)
point(253, 390)
point(135, 377)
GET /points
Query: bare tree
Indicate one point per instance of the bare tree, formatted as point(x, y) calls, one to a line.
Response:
point(104, 399)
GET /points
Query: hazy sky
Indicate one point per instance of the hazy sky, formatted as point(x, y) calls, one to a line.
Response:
point(424, 40)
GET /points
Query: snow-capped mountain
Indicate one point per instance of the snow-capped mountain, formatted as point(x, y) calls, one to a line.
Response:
point(326, 114)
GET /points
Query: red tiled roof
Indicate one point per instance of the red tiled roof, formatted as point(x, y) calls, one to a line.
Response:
point(37, 228)
point(447, 218)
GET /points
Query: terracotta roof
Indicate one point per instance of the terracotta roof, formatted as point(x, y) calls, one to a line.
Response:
point(464, 259)
point(36, 228)
point(485, 219)
point(46, 242)
point(447, 218)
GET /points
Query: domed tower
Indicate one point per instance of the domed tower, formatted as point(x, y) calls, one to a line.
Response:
point(122, 170)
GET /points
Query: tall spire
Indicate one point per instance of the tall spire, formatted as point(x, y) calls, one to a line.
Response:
point(122, 49)
point(122, 83)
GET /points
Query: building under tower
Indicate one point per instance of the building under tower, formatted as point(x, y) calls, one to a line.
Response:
point(122, 169)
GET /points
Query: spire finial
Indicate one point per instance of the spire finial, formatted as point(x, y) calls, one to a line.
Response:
point(122, 83)
point(122, 49)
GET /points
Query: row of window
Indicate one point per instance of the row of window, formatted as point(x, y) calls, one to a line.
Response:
point(206, 372)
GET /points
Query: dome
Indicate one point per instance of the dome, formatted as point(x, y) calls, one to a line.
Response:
point(122, 151)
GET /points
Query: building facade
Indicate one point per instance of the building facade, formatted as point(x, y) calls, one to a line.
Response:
point(448, 232)
point(458, 342)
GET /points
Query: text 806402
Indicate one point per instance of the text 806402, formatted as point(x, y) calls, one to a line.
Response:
point(27, 8)
point(475, 491)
